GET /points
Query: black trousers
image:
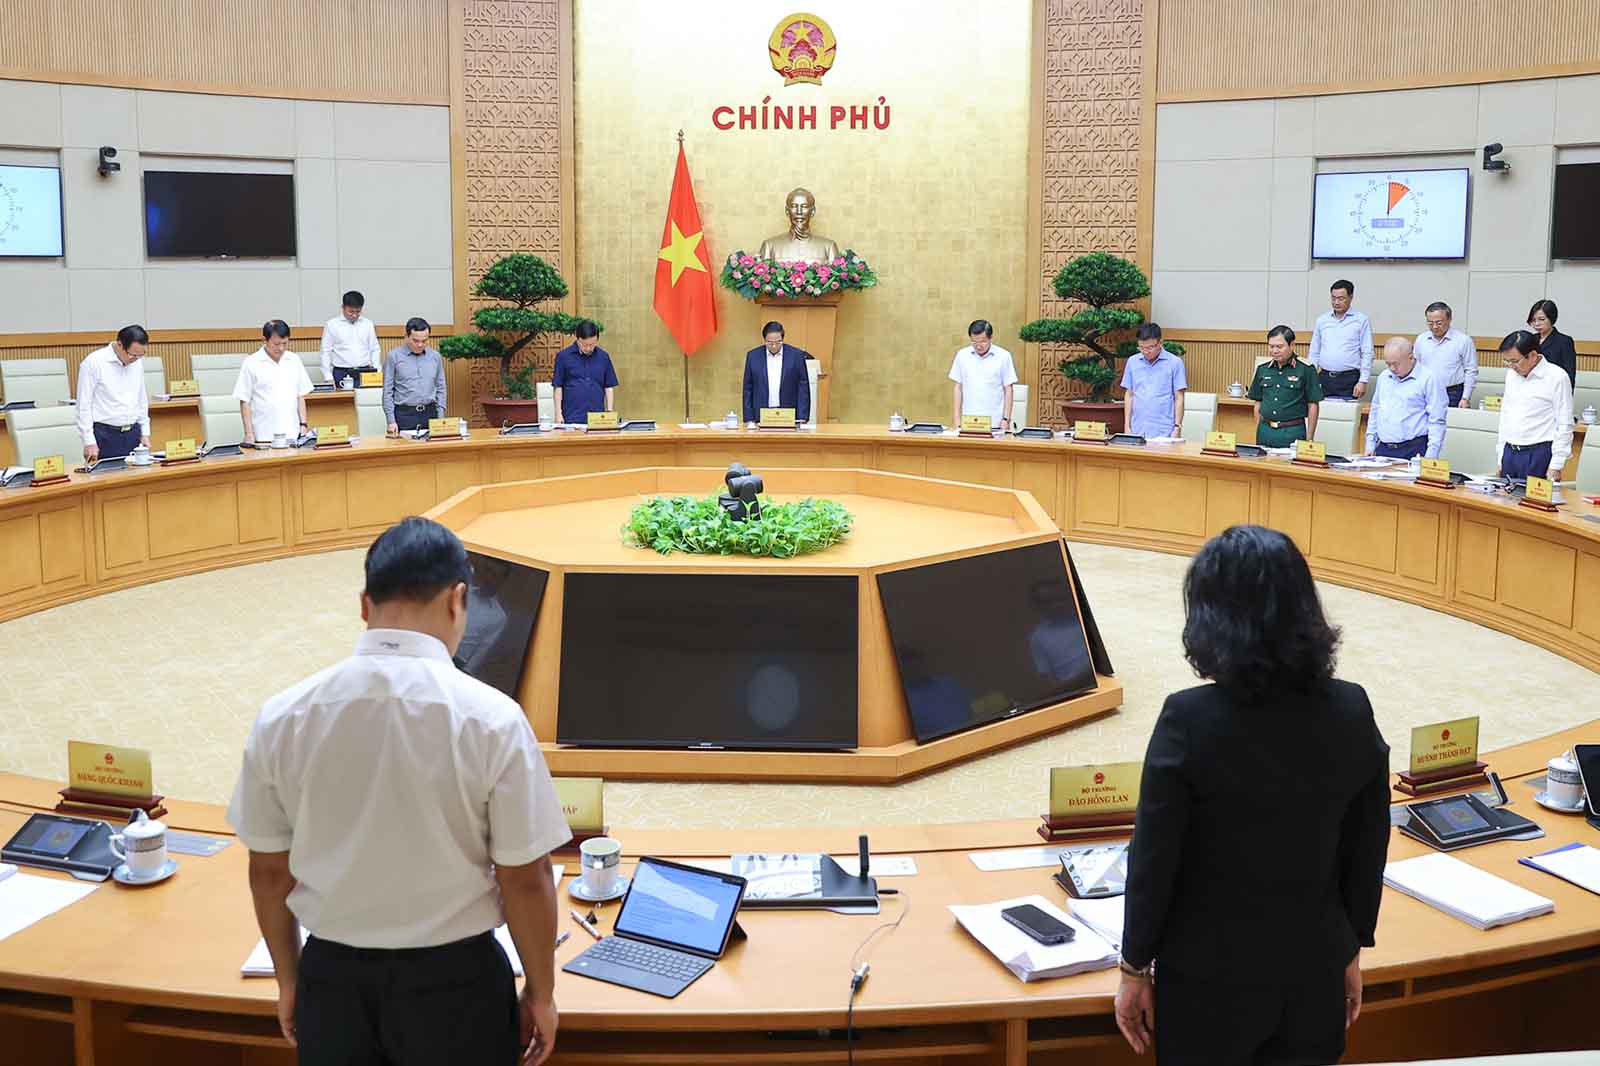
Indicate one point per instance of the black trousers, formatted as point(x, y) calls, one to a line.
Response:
point(1453, 393)
point(1406, 449)
point(114, 440)
point(408, 417)
point(1528, 460)
point(340, 373)
point(1339, 383)
point(1296, 1021)
point(452, 1004)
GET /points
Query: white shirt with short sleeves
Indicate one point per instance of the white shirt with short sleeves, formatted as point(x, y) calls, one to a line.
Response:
point(349, 345)
point(983, 380)
point(273, 390)
point(111, 393)
point(395, 782)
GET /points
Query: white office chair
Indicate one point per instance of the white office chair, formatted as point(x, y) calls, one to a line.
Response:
point(216, 374)
point(44, 381)
point(1019, 405)
point(155, 376)
point(1470, 439)
point(1338, 423)
point(370, 419)
point(220, 421)
point(813, 376)
point(313, 363)
point(1586, 393)
point(44, 431)
point(1199, 414)
point(545, 392)
point(1491, 382)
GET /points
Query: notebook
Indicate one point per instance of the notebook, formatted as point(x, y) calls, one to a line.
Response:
point(1578, 863)
point(1104, 916)
point(1480, 899)
point(1025, 956)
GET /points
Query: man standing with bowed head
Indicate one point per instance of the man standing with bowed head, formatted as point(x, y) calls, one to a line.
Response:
point(1408, 407)
point(1535, 437)
point(1155, 384)
point(775, 376)
point(1341, 346)
point(1286, 392)
point(414, 388)
point(399, 810)
point(113, 406)
point(984, 376)
point(584, 378)
point(349, 343)
point(1449, 353)
point(272, 389)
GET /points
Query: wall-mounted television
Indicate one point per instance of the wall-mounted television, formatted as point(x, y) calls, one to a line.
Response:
point(30, 211)
point(1390, 214)
point(208, 214)
point(1575, 222)
point(503, 602)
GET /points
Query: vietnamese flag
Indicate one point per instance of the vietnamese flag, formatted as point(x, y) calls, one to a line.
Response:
point(684, 290)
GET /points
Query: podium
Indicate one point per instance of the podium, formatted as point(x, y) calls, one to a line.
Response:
point(810, 322)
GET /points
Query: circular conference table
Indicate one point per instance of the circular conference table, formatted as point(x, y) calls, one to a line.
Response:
point(153, 974)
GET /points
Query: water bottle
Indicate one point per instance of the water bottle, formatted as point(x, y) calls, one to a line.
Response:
point(732, 420)
point(462, 422)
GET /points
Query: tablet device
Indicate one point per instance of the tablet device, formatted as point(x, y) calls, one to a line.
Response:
point(521, 429)
point(925, 427)
point(1588, 756)
point(80, 846)
point(1035, 433)
point(1095, 872)
point(1131, 439)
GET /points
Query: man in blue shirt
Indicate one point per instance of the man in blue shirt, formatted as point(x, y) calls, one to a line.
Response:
point(1408, 407)
point(584, 378)
point(1155, 383)
point(1341, 345)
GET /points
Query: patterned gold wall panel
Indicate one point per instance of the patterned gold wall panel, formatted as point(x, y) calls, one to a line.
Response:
point(1217, 49)
point(1093, 82)
point(394, 51)
point(937, 202)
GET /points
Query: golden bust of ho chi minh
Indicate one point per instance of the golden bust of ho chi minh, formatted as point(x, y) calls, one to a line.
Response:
point(799, 244)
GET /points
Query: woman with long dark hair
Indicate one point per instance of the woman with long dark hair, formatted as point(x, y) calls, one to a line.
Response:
point(1256, 866)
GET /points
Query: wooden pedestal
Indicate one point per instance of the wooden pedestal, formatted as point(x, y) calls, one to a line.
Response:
point(810, 324)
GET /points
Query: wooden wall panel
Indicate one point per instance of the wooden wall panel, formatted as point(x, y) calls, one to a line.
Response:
point(392, 51)
point(1213, 50)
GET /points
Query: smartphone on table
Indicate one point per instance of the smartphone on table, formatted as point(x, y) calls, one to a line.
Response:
point(1043, 927)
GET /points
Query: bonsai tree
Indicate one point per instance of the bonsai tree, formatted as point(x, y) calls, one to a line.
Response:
point(1101, 282)
point(522, 282)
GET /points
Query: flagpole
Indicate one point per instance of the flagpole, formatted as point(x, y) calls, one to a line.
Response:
point(685, 354)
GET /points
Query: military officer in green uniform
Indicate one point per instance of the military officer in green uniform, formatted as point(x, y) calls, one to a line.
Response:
point(1286, 393)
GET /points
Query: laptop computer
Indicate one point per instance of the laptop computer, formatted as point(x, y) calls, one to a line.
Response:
point(674, 924)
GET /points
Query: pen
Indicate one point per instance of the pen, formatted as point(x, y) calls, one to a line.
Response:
point(587, 928)
point(563, 938)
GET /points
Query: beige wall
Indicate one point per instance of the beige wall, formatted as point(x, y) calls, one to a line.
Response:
point(937, 202)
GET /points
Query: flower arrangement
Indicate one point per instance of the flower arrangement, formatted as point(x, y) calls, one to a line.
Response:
point(751, 277)
point(702, 527)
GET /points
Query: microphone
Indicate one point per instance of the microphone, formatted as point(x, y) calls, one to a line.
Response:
point(865, 857)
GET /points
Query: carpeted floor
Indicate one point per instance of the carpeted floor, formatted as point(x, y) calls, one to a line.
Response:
point(246, 632)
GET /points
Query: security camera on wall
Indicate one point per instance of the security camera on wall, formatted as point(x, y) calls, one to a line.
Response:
point(107, 166)
point(1490, 163)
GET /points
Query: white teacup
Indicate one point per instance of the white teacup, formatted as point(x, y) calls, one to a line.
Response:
point(142, 845)
point(1562, 783)
point(600, 860)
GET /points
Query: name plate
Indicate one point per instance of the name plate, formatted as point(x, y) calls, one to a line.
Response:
point(1111, 788)
point(112, 770)
point(1089, 431)
point(333, 435)
point(1311, 451)
point(778, 418)
point(608, 419)
point(178, 450)
point(583, 802)
point(444, 427)
point(183, 387)
point(1540, 490)
point(49, 468)
point(372, 379)
point(1492, 403)
point(1217, 441)
point(1437, 470)
point(1443, 745)
point(977, 424)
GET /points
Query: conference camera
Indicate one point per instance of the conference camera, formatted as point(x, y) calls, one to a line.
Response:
point(107, 166)
point(1490, 163)
point(743, 487)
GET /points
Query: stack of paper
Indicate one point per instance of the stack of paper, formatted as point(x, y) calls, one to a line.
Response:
point(1025, 956)
point(25, 899)
point(1480, 899)
point(1104, 916)
point(1578, 863)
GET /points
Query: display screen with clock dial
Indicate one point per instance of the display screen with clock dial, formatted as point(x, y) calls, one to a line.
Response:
point(1391, 214)
point(30, 211)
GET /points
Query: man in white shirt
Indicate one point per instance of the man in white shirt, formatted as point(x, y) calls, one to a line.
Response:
point(349, 343)
point(984, 376)
point(398, 811)
point(1341, 345)
point(1535, 413)
point(1449, 353)
point(272, 388)
point(113, 405)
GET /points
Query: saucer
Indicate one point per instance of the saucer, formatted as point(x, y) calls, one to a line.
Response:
point(1542, 798)
point(123, 876)
point(577, 892)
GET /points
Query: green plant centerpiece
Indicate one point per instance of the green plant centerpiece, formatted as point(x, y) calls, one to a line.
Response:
point(700, 526)
point(1103, 284)
point(520, 282)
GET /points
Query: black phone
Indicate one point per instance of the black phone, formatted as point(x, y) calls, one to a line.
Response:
point(1043, 927)
point(1588, 756)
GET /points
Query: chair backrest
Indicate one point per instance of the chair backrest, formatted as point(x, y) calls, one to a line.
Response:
point(313, 363)
point(1586, 393)
point(155, 376)
point(1199, 414)
point(1337, 423)
point(39, 380)
point(1019, 404)
point(813, 376)
point(41, 431)
point(370, 420)
point(216, 374)
point(1470, 437)
point(545, 393)
point(220, 421)
point(1589, 463)
point(1491, 375)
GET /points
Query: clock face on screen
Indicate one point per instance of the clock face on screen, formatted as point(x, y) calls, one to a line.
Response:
point(10, 211)
point(1388, 216)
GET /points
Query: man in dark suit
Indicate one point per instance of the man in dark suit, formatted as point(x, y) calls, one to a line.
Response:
point(775, 376)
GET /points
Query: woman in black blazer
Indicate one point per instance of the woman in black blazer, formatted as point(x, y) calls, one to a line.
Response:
point(1258, 850)
point(1554, 346)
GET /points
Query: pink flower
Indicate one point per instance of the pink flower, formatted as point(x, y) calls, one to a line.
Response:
point(855, 277)
point(768, 288)
point(797, 280)
point(737, 275)
point(839, 262)
point(746, 261)
point(824, 271)
point(761, 268)
point(835, 285)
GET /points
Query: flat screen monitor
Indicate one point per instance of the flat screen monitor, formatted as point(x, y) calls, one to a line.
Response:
point(985, 637)
point(708, 661)
point(1575, 224)
point(1390, 214)
point(502, 606)
point(198, 214)
point(30, 211)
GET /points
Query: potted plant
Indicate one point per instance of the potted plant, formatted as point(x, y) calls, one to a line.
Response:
point(520, 282)
point(1101, 282)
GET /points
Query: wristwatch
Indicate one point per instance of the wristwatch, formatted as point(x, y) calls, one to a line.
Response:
point(1144, 972)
